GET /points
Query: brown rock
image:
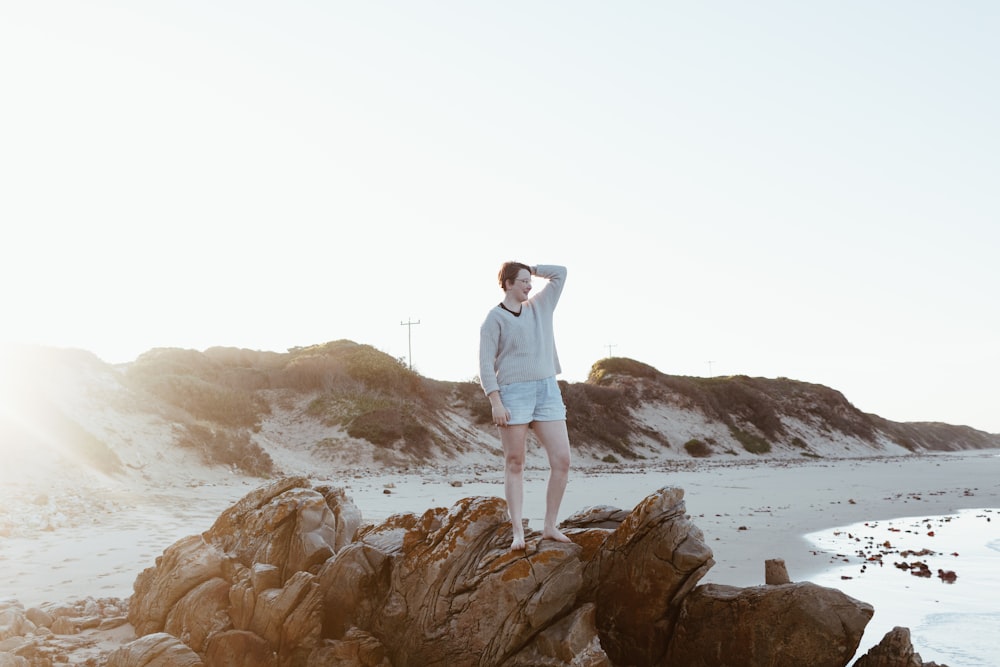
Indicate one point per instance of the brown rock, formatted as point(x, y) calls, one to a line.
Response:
point(347, 517)
point(573, 641)
point(112, 622)
point(597, 516)
point(184, 565)
point(775, 572)
point(895, 650)
point(290, 617)
point(14, 622)
point(8, 660)
point(643, 571)
point(357, 580)
point(155, 650)
point(14, 644)
point(263, 577)
point(286, 578)
point(239, 648)
point(356, 649)
point(249, 575)
point(458, 596)
point(285, 524)
point(290, 528)
point(790, 624)
point(39, 617)
point(87, 622)
point(588, 529)
point(200, 613)
point(64, 625)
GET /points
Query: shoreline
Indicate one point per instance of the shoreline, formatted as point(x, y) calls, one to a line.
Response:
point(902, 567)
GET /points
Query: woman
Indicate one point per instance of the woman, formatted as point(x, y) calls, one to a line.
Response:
point(517, 368)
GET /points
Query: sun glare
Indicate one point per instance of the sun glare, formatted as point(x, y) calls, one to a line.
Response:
point(35, 434)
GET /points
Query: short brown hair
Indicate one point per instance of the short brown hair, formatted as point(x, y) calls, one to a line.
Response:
point(509, 271)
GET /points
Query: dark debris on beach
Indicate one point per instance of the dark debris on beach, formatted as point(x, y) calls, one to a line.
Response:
point(917, 562)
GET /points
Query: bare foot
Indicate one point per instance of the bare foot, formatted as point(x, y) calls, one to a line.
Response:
point(517, 544)
point(554, 534)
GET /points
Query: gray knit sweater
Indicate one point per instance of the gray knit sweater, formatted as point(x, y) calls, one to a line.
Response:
point(521, 349)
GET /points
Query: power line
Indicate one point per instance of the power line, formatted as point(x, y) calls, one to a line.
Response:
point(409, 338)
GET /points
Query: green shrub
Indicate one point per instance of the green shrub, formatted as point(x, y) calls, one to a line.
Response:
point(620, 366)
point(697, 448)
point(340, 407)
point(206, 401)
point(308, 373)
point(204, 388)
point(379, 427)
point(470, 396)
point(653, 435)
point(609, 458)
point(752, 443)
point(598, 414)
point(331, 364)
point(387, 426)
point(328, 443)
point(172, 361)
point(223, 446)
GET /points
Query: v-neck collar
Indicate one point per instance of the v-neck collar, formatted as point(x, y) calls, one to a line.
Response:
point(517, 314)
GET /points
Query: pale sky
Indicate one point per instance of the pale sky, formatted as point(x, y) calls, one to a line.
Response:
point(778, 189)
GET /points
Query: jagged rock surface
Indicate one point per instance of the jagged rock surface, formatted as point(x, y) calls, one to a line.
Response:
point(895, 650)
point(457, 595)
point(763, 626)
point(642, 572)
point(155, 650)
point(288, 577)
point(51, 633)
point(245, 591)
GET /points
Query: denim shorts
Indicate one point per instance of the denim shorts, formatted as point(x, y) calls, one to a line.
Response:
point(534, 401)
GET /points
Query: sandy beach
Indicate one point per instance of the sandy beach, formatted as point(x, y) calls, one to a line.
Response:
point(69, 543)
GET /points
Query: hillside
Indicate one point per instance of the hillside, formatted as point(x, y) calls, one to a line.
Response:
point(347, 406)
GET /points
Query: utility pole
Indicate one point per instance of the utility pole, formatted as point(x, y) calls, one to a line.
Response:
point(710, 368)
point(609, 349)
point(409, 338)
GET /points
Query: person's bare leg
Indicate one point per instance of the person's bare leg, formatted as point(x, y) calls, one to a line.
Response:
point(514, 440)
point(555, 440)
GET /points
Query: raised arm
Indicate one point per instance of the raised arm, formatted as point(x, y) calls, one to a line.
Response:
point(556, 277)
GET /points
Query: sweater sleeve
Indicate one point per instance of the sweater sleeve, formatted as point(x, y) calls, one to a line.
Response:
point(489, 344)
point(549, 295)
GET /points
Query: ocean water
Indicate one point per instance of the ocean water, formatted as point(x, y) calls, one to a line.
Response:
point(903, 567)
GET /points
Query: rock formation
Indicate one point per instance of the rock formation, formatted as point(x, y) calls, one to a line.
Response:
point(785, 624)
point(46, 635)
point(895, 650)
point(245, 591)
point(289, 577)
point(453, 593)
point(640, 575)
point(156, 650)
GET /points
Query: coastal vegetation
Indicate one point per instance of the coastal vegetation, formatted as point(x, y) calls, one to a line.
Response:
point(351, 403)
